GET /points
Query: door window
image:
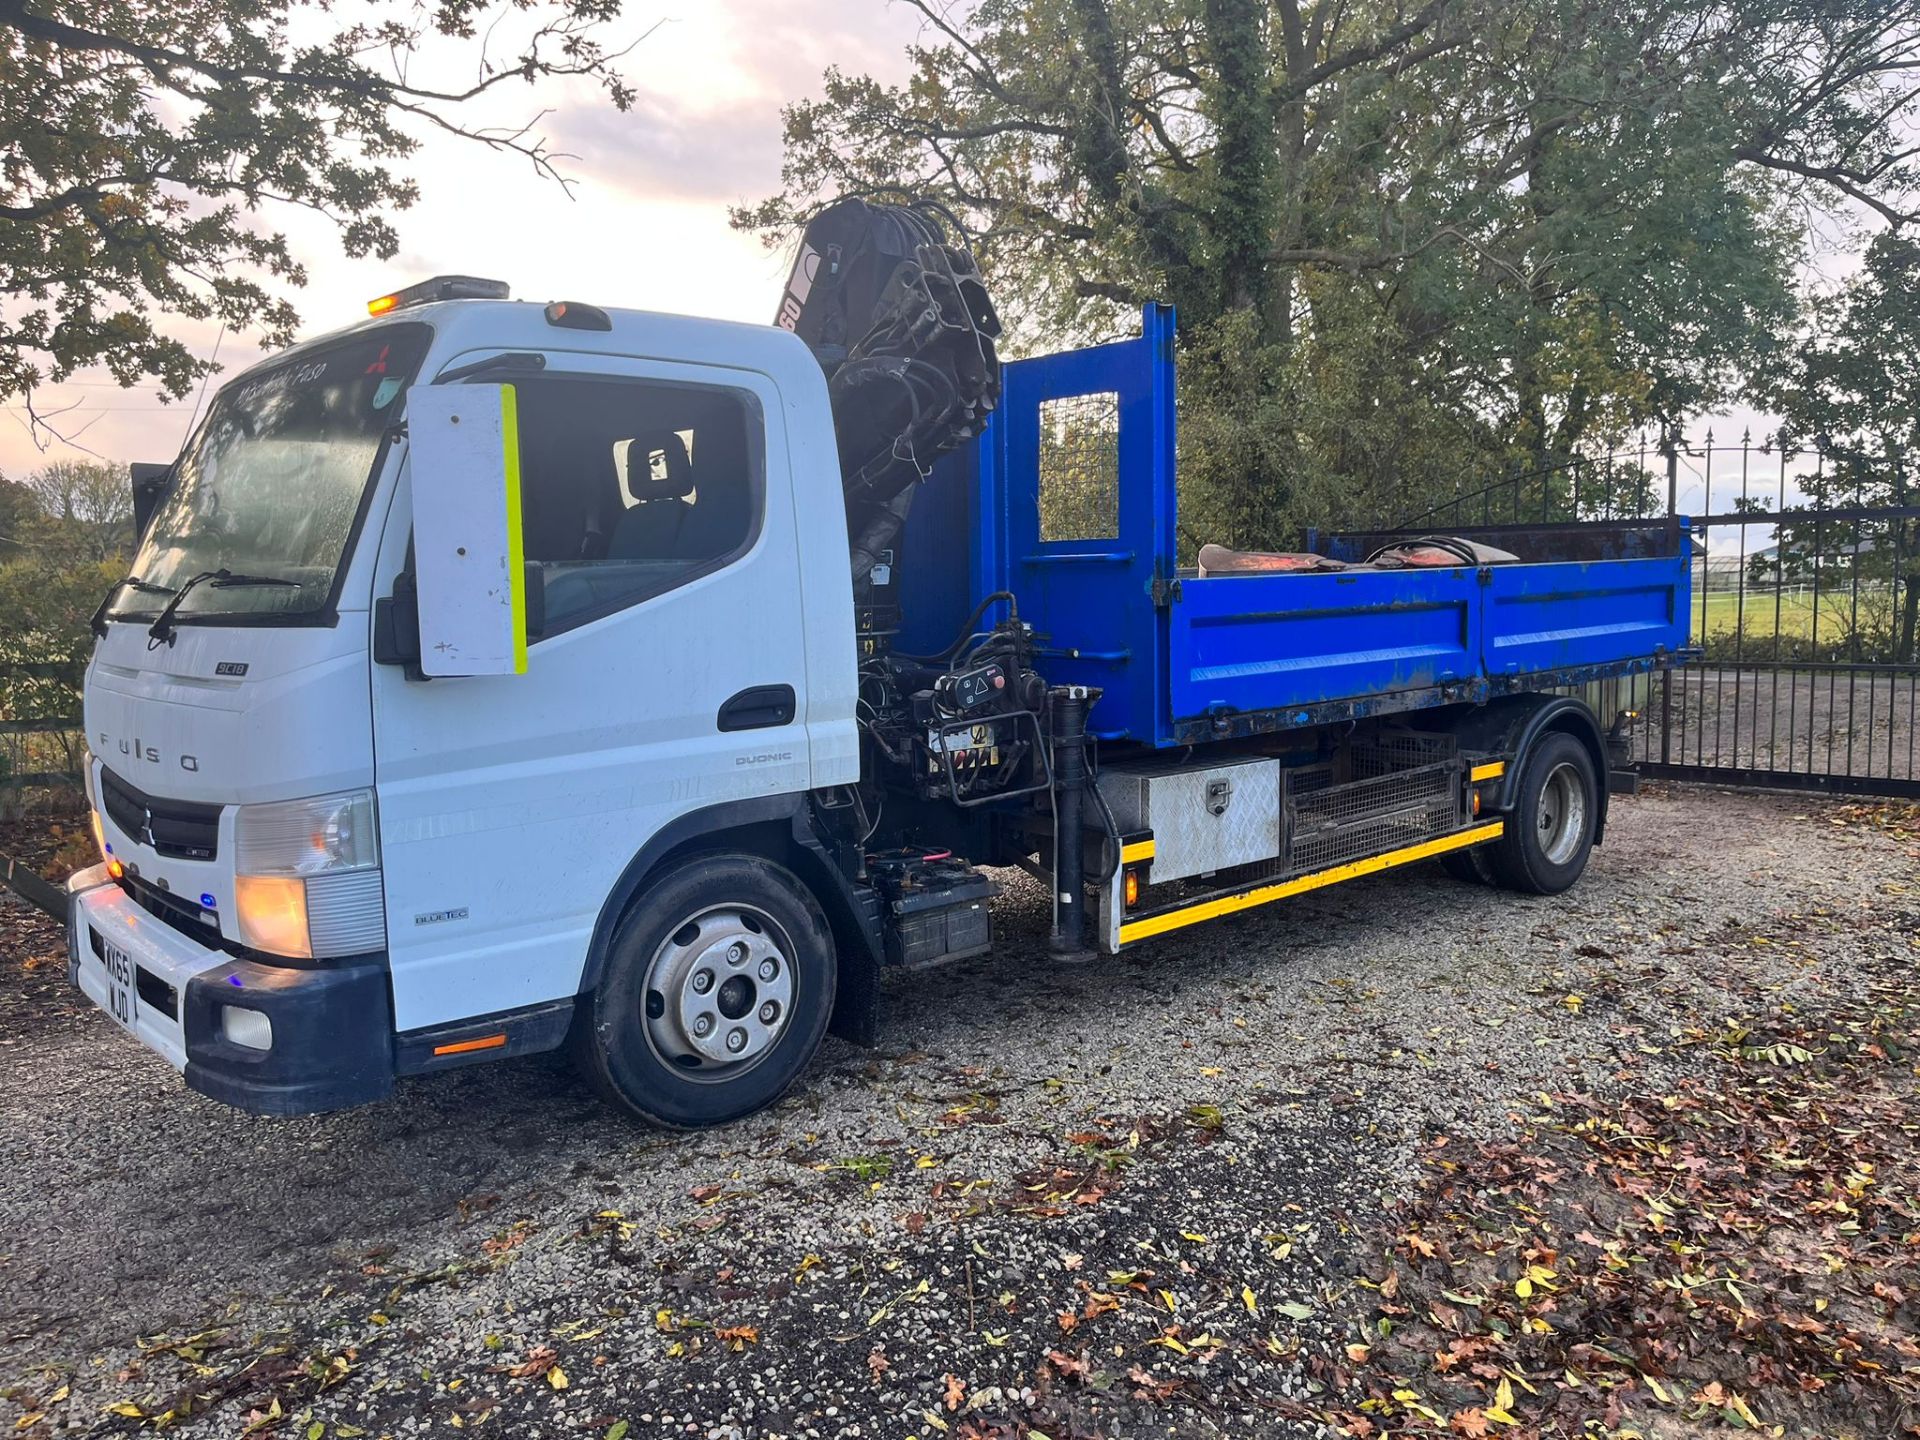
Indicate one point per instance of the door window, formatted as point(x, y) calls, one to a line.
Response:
point(631, 487)
point(1080, 467)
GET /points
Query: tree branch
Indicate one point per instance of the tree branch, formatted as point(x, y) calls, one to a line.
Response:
point(1833, 176)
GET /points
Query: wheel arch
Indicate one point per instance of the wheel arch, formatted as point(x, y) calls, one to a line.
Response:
point(1512, 725)
point(777, 828)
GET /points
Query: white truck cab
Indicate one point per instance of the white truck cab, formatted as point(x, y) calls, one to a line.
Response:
point(328, 859)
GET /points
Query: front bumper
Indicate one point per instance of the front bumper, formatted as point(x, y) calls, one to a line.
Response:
point(331, 1026)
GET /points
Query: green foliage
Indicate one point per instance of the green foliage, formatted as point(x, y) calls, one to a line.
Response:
point(69, 528)
point(20, 514)
point(91, 505)
point(1079, 469)
point(44, 641)
point(141, 139)
point(1412, 248)
point(1852, 393)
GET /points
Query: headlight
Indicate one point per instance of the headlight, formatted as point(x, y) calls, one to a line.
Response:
point(307, 837)
point(308, 881)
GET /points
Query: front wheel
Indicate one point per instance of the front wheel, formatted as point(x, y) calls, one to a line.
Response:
point(715, 996)
point(1550, 825)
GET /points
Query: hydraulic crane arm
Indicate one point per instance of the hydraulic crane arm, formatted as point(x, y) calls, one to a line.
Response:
point(893, 306)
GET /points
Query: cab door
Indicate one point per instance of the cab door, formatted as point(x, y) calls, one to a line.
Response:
point(656, 507)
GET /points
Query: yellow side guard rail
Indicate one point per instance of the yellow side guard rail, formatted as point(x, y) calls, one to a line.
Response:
point(1160, 923)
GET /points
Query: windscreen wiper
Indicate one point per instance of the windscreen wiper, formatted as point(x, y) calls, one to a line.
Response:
point(166, 627)
point(98, 624)
point(512, 361)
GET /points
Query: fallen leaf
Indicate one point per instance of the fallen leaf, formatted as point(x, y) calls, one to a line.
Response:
point(540, 1359)
point(1066, 1364)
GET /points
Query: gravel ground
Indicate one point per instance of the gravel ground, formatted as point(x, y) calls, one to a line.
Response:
point(1124, 1199)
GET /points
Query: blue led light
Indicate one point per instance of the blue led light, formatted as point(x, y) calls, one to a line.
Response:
point(207, 901)
point(233, 980)
point(109, 848)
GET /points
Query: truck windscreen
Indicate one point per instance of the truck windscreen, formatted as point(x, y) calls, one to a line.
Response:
point(274, 482)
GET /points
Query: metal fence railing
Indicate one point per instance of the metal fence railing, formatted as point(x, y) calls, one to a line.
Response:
point(1805, 664)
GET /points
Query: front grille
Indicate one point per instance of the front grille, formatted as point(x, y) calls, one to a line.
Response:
point(187, 916)
point(178, 829)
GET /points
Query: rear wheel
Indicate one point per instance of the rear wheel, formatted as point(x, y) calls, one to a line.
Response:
point(1550, 824)
point(715, 996)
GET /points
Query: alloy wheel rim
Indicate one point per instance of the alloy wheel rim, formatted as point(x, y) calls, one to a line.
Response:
point(719, 993)
point(1561, 816)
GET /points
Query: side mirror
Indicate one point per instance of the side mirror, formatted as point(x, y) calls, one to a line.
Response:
point(396, 619)
point(150, 482)
point(469, 572)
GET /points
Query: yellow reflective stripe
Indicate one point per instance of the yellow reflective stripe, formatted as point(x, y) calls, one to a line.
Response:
point(1228, 904)
point(1492, 771)
point(1138, 850)
point(516, 548)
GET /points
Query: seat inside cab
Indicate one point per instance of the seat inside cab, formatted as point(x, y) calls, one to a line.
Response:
point(629, 487)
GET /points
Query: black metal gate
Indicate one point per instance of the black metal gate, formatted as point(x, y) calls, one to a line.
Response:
point(1806, 592)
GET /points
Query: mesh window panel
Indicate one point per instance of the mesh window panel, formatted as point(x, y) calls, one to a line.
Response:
point(1370, 816)
point(1308, 779)
point(1080, 467)
point(1384, 754)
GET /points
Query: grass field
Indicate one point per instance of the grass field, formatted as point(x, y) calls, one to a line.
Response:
point(1789, 614)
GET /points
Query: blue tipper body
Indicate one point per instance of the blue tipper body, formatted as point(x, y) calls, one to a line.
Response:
point(1181, 660)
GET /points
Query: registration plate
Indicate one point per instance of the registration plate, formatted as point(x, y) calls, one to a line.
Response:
point(118, 966)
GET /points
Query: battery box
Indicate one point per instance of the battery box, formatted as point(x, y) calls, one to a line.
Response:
point(934, 908)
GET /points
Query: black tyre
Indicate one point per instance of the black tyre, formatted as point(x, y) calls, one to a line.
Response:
point(1470, 866)
point(717, 989)
point(1550, 823)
